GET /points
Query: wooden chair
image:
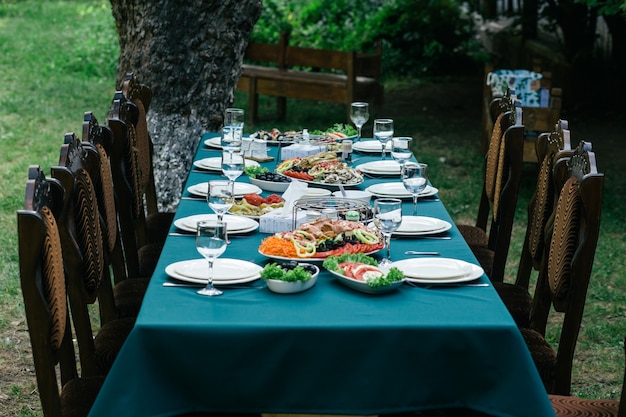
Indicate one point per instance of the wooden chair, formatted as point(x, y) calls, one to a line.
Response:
point(142, 246)
point(42, 276)
point(88, 280)
point(566, 269)
point(566, 406)
point(90, 155)
point(550, 148)
point(503, 169)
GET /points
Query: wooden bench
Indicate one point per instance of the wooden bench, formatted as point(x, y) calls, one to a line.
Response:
point(536, 120)
point(307, 73)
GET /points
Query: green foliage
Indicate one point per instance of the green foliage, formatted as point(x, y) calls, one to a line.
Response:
point(419, 37)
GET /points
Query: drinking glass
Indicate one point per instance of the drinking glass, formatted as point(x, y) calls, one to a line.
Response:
point(383, 131)
point(359, 114)
point(233, 129)
point(233, 164)
point(211, 243)
point(415, 179)
point(221, 197)
point(387, 217)
point(401, 150)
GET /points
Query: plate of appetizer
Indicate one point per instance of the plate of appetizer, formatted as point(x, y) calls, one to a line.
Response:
point(321, 238)
point(361, 272)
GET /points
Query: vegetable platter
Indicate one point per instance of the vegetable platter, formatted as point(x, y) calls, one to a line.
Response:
point(322, 238)
point(321, 168)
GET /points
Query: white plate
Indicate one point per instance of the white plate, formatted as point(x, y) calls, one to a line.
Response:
point(323, 184)
point(421, 225)
point(214, 142)
point(215, 163)
point(225, 271)
point(397, 190)
point(285, 258)
point(370, 146)
point(241, 188)
point(438, 270)
point(386, 167)
point(363, 286)
point(234, 224)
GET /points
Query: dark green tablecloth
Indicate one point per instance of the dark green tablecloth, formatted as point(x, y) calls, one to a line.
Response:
point(327, 350)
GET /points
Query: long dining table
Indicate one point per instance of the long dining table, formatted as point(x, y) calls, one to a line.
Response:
point(328, 350)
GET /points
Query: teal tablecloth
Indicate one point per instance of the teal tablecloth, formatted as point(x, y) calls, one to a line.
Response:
point(328, 350)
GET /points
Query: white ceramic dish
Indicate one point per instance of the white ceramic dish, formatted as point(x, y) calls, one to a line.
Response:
point(215, 163)
point(386, 167)
point(225, 271)
point(323, 184)
point(292, 287)
point(215, 142)
point(438, 270)
point(241, 188)
point(363, 286)
point(314, 192)
point(370, 146)
point(397, 190)
point(275, 187)
point(311, 260)
point(362, 196)
point(421, 225)
point(234, 224)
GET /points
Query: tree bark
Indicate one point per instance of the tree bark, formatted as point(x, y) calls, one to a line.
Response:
point(189, 53)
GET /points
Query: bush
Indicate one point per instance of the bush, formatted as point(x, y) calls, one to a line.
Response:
point(419, 36)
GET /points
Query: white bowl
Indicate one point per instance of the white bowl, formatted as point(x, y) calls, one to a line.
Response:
point(275, 187)
point(314, 192)
point(362, 196)
point(291, 287)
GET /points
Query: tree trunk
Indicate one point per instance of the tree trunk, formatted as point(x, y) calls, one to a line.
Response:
point(189, 53)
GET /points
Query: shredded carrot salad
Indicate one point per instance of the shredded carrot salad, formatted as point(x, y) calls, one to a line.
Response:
point(276, 246)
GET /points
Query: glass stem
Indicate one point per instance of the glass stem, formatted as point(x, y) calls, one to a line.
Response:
point(415, 204)
point(359, 129)
point(209, 284)
point(388, 244)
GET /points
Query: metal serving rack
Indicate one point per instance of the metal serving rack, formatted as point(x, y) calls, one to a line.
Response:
point(331, 207)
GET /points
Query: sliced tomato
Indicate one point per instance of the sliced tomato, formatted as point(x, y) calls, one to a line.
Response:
point(364, 271)
point(254, 199)
point(273, 198)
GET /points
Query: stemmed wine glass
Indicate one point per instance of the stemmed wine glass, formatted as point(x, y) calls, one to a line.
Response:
point(233, 129)
point(415, 179)
point(233, 164)
point(221, 197)
point(401, 150)
point(387, 217)
point(383, 131)
point(211, 243)
point(359, 114)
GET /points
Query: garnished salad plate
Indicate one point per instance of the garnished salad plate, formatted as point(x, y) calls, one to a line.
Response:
point(361, 272)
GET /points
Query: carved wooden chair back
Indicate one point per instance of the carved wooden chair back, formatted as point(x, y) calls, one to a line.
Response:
point(566, 268)
point(101, 139)
point(549, 148)
point(83, 245)
point(42, 278)
point(141, 96)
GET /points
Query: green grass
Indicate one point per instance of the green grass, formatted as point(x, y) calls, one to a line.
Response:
point(58, 60)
